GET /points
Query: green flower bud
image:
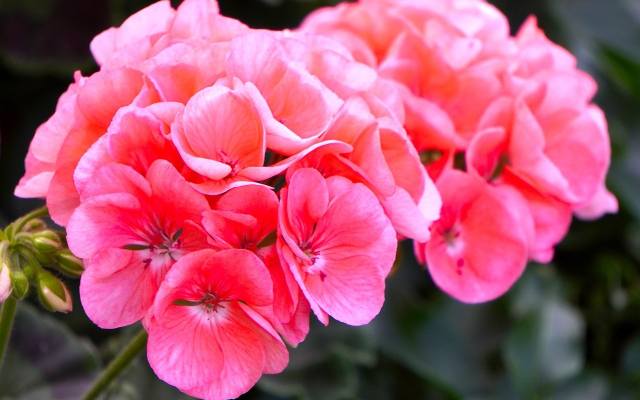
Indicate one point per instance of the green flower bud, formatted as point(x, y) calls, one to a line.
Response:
point(20, 284)
point(53, 294)
point(46, 241)
point(34, 225)
point(69, 264)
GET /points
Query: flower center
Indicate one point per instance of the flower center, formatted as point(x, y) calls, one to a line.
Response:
point(158, 249)
point(209, 303)
point(312, 263)
point(223, 157)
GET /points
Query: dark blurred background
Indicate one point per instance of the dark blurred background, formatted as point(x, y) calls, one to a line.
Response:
point(570, 330)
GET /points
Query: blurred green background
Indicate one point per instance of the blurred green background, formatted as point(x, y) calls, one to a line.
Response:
point(570, 330)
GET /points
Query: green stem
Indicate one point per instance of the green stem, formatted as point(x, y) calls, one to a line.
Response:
point(37, 213)
point(117, 365)
point(6, 322)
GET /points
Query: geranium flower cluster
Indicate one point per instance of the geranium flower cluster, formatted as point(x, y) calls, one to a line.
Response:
point(222, 183)
point(504, 124)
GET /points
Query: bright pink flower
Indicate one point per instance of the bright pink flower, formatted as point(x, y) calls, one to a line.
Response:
point(367, 30)
point(489, 157)
point(603, 202)
point(129, 230)
point(331, 62)
point(246, 218)
point(206, 334)
point(135, 37)
point(557, 124)
point(565, 154)
point(45, 146)
point(82, 116)
point(221, 136)
point(242, 218)
point(384, 160)
point(290, 310)
point(479, 247)
point(448, 52)
point(136, 137)
point(337, 242)
point(181, 70)
point(158, 27)
point(298, 107)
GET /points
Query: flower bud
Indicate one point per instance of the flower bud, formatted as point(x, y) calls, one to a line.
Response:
point(53, 294)
point(47, 241)
point(5, 281)
point(69, 264)
point(34, 225)
point(20, 284)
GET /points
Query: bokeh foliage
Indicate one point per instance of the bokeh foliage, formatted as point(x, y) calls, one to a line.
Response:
point(570, 330)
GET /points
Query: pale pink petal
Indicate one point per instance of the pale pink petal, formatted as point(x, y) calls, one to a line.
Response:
point(479, 248)
point(121, 298)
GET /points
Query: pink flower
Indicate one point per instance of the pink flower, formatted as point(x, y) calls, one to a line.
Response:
point(221, 137)
point(489, 157)
point(157, 27)
point(206, 334)
point(82, 116)
point(135, 37)
point(129, 230)
point(479, 247)
point(46, 143)
point(296, 105)
point(384, 160)
point(448, 53)
point(136, 137)
point(242, 218)
point(565, 134)
point(367, 29)
point(5, 281)
point(246, 218)
point(338, 244)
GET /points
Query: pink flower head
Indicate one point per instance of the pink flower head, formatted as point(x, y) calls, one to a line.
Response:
point(82, 116)
point(129, 230)
point(554, 121)
point(296, 105)
point(367, 29)
point(221, 137)
point(158, 27)
point(206, 334)
point(136, 36)
point(136, 137)
point(384, 160)
point(43, 152)
point(242, 218)
point(489, 157)
point(337, 242)
point(246, 218)
point(448, 53)
point(479, 247)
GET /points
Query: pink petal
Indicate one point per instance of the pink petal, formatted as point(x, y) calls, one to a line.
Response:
point(121, 298)
point(479, 249)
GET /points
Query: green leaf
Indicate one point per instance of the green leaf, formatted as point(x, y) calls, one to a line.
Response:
point(440, 339)
point(325, 365)
point(545, 344)
point(622, 69)
point(586, 386)
point(46, 360)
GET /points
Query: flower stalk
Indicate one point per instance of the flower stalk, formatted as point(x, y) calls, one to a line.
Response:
point(117, 365)
point(6, 323)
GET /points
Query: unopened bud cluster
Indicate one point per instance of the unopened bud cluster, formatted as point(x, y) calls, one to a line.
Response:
point(33, 256)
